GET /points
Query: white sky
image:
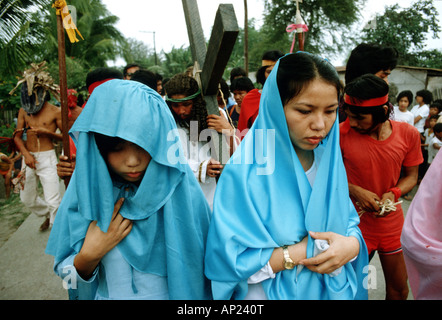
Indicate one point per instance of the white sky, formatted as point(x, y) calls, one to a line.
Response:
point(139, 18)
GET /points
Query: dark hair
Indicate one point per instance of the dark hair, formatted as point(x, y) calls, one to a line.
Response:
point(407, 94)
point(370, 58)
point(101, 74)
point(243, 84)
point(368, 87)
point(297, 70)
point(130, 65)
point(426, 95)
point(106, 144)
point(224, 88)
point(272, 55)
point(436, 105)
point(186, 85)
point(237, 72)
point(437, 127)
point(145, 77)
point(434, 116)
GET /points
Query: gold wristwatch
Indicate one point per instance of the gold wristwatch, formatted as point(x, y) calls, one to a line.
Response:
point(288, 262)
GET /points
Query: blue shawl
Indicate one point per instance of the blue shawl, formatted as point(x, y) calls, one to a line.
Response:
point(168, 208)
point(272, 204)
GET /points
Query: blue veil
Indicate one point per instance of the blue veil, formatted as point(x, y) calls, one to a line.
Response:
point(273, 204)
point(168, 208)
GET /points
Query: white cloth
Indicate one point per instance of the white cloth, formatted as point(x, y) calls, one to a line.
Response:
point(198, 153)
point(46, 172)
point(428, 136)
point(422, 111)
point(406, 116)
point(432, 151)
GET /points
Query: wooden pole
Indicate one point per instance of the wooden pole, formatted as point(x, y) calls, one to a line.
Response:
point(301, 41)
point(246, 38)
point(299, 21)
point(63, 90)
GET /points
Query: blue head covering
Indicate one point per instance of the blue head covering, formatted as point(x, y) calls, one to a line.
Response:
point(272, 204)
point(168, 208)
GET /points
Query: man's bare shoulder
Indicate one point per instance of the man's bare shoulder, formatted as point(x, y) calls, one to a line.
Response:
point(49, 111)
point(52, 108)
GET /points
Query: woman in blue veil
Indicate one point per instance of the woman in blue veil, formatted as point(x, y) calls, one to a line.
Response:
point(164, 209)
point(289, 229)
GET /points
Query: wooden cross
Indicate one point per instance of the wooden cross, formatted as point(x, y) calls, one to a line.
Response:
point(213, 58)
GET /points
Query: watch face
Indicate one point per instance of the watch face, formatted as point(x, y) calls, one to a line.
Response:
point(289, 265)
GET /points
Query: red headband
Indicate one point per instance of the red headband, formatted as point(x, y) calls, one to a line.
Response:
point(96, 84)
point(380, 101)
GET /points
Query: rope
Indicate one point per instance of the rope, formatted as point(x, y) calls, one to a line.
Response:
point(388, 206)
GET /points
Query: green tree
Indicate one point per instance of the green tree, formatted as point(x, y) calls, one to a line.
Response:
point(101, 38)
point(407, 29)
point(176, 61)
point(19, 33)
point(255, 50)
point(329, 24)
point(136, 51)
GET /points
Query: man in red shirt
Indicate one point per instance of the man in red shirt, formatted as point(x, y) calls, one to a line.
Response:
point(251, 101)
point(373, 149)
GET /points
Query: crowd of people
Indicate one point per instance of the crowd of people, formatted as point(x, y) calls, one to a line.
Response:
point(150, 213)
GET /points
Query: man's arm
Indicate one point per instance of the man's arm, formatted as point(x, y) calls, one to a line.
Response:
point(58, 121)
point(405, 184)
point(366, 199)
point(18, 139)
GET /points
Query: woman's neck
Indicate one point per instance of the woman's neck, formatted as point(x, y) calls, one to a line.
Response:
point(306, 157)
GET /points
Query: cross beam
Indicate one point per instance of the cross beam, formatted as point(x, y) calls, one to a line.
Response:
point(212, 58)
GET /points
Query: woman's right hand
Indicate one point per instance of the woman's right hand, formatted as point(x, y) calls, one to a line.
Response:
point(97, 243)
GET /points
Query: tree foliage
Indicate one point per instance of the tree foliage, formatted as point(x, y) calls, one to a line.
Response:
point(407, 29)
point(28, 33)
point(329, 24)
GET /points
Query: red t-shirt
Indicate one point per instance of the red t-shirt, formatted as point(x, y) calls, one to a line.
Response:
point(376, 165)
point(249, 109)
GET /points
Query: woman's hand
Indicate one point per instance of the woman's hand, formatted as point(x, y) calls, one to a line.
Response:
point(342, 249)
point(97, 243)
point(297, 252)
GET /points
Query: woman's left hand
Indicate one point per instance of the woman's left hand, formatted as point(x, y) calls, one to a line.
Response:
point(342, 249)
